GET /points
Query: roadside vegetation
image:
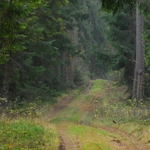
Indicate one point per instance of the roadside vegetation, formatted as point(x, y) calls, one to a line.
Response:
point(91, 120)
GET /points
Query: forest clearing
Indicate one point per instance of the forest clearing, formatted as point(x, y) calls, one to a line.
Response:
point(92, 120)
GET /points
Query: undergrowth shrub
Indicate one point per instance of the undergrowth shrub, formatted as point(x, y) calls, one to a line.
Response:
point(78, 77)
point(21, 108)
point(111, 102)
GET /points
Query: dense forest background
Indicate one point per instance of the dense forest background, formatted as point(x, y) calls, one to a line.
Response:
point(48, 46)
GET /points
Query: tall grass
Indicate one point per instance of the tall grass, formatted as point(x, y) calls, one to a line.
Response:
point(23, 134)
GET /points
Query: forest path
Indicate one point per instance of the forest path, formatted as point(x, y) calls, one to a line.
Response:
point(116, 138)
point(66, 141)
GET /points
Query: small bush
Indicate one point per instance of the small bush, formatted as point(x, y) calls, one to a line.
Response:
point(78, 77)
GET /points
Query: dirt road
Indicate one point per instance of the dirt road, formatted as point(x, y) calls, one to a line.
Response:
point(118, 141)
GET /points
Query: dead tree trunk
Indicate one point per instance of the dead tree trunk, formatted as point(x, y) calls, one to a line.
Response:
point(138, 85)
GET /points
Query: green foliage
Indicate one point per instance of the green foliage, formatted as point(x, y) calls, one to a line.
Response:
point(78, 77)
point(146, 37)
point(42, 62)
point(12, 25)
point(121, 35)
point(20, 108)
point(114, 6)
point(92, 39)
point(41, 32)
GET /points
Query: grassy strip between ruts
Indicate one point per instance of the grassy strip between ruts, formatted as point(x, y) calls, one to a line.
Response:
point(88, 138)
point(23, 134)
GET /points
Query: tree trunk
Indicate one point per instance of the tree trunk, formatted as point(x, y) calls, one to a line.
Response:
point(138, 85)
point(63, 68)
point(6, 81)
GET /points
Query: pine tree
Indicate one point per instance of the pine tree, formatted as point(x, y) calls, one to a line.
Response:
point(121, 35)
point(13, 22)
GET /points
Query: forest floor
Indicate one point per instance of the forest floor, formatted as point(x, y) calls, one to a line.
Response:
point(79, 127)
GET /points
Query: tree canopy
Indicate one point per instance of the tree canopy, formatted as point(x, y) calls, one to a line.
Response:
point(50, 46)
point(113, 5)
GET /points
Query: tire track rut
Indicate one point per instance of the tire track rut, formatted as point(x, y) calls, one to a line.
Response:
point(66, 142)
